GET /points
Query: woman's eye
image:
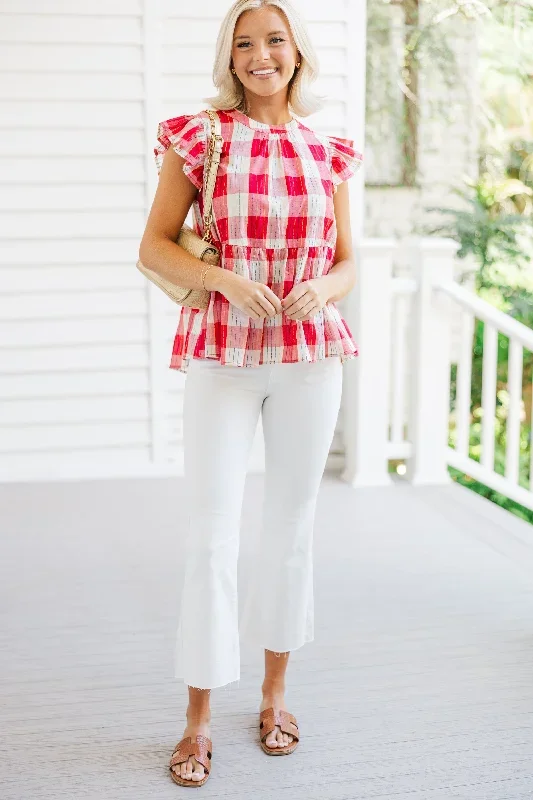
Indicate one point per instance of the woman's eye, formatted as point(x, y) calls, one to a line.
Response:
point(274, 39)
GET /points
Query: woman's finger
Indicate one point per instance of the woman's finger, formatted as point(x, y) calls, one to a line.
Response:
point(267, 306)
point(302, 312)
point(274, 299)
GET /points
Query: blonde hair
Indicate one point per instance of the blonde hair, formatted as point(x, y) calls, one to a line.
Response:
point(302, 101)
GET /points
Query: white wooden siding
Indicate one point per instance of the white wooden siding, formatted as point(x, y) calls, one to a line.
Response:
point(85, 342)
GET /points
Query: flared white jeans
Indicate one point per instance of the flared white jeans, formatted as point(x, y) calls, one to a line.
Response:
point(299, 403)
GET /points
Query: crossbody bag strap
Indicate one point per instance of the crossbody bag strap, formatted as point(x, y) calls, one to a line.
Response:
point(210, 174)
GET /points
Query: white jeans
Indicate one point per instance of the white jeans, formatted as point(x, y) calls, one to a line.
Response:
point(299, 403)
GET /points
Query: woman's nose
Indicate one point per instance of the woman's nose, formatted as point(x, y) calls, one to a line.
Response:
point(264, 52)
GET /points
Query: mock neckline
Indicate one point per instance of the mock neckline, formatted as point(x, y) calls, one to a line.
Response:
point(240, 116)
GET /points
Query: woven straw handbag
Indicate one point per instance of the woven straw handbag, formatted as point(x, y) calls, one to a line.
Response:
point(188, 239)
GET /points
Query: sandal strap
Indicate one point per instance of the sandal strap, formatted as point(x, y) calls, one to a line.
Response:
point(201, 750)
point(283, 719)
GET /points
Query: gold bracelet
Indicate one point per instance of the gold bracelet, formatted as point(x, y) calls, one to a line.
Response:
point(206, 270)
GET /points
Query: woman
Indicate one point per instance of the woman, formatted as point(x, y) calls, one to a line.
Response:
point(271, 342)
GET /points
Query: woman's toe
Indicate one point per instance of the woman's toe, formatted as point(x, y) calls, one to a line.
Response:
point(198, 774)
point(188, 771)
point(279, 737)
point(271, 740)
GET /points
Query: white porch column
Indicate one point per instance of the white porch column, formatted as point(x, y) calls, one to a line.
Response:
point(363, 465)
point(356, 106)
point(429, 405)
point(367, 378)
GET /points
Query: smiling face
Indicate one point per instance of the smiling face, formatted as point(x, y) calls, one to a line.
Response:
point(264, 54)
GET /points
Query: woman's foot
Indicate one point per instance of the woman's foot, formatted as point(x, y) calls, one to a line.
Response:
point(274, 697)
point(198, 722)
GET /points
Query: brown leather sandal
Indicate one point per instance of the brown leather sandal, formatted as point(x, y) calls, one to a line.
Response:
point(201, 750)
point(287, 723)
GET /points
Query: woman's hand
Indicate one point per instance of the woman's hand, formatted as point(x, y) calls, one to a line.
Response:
point(307, 298)
point(253, 298)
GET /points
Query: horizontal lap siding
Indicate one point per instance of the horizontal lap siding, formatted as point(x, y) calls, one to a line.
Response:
point(84, 342)
point(74, 329)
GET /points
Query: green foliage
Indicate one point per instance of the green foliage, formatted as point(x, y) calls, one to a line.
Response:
point(488, 225)
point(500, 439)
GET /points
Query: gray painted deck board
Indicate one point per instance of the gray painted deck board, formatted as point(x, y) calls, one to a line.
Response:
point(419, 683)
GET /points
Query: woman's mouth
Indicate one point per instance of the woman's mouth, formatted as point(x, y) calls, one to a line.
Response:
point(264, 74)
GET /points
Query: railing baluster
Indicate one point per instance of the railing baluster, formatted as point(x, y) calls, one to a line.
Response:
point(520, 339)
point(464, 383)
point(531, 446)
point(399, 368)
point(488, 394)
point(514, 387)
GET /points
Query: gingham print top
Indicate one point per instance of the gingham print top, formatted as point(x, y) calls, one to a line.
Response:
point(274, 222)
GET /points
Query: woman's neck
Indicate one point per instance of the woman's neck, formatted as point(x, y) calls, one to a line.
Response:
point(276, 113)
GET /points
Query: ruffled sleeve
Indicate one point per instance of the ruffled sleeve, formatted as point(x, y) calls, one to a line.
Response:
point(187, 135)
point(345, 160)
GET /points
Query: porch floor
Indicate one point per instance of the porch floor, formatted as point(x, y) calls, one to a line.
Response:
point(419, 683)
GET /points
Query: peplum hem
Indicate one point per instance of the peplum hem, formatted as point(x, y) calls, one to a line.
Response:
point(326, 335)
point(225, 333)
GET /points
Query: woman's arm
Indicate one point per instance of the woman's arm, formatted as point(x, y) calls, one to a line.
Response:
point(342, 275)
point(158, 249)
point(307, 298)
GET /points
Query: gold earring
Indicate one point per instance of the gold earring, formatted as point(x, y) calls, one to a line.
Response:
point(298, 64)
point(233, 71)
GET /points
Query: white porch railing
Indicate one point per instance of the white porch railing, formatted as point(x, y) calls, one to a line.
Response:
point(399, 387)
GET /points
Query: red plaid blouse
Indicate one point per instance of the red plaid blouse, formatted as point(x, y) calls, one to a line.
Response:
point(274, 222)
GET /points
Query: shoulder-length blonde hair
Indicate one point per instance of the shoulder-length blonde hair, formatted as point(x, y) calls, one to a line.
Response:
point(302, 101)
